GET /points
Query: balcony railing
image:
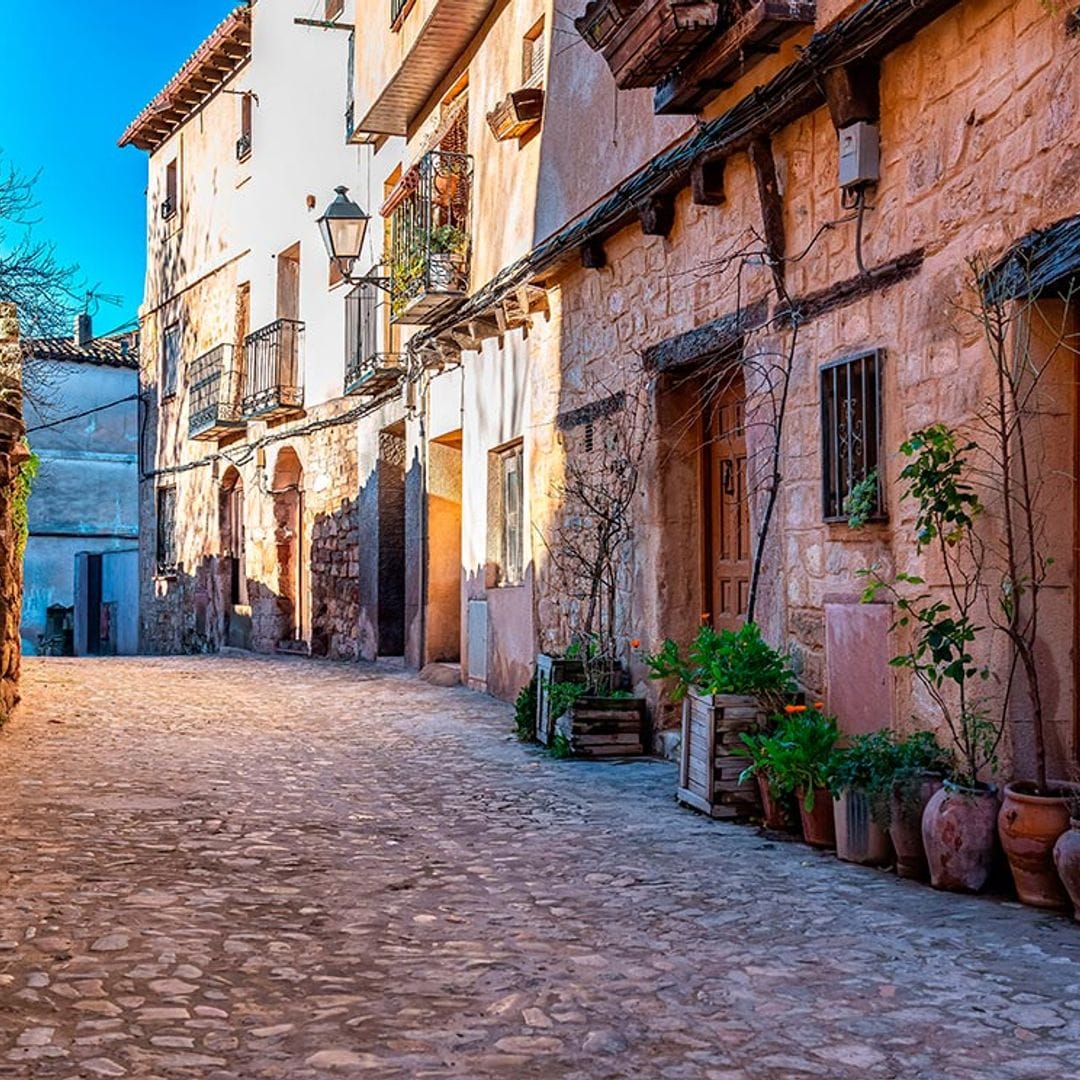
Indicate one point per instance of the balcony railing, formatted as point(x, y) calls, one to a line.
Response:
point(214, 395)
point(430, 236)
point(272, 370)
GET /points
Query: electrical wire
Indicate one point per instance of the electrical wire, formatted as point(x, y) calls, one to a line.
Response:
point(80, 415)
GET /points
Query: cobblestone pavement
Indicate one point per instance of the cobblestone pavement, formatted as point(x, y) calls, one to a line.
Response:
point(222, 867)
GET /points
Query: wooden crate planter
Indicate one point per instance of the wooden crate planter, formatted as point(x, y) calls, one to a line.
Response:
point(713, 755)
point(604, 727)
point(552, 669)
point(517, 114)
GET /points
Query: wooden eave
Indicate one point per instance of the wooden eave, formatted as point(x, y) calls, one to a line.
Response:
point(871, 31)
point(443, 38)
point(215, 61)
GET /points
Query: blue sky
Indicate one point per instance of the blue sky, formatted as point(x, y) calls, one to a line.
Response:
point(78, 73)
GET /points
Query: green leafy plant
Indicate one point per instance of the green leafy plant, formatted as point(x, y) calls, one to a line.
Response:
point(798, 755)
point(448, 239)
point(725, 662)
point(917, 756)
point(560, 746)
point(941, 624)
point(525, 711)
point(862, 502)
point(562, 695)
point(20, 515)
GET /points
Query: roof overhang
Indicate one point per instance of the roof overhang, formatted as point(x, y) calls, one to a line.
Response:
point(212, 64)
point(450, 28)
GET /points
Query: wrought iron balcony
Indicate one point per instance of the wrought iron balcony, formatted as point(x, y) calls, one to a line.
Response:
point(214, 394)
point(430, 213)
point(273, 359)
point(371, 375)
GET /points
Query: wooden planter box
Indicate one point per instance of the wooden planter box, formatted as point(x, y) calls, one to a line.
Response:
point(604, 727)
point(517, 114)
point(556, 669)
point(713, 755)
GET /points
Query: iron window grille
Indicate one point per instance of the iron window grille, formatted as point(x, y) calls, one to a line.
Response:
point(430, 235)
point(850, 429)
point(350, 80)
point(168, 208)
point(166, 531)
point(214, 394)
point(243, 147)
point(397, 8)
point(510, 510)
point(532, 57)
point(272, 368)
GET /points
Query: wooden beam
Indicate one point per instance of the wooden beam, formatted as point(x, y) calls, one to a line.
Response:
point(658, 214)
point(852, 93)
point(593, 256)
point(707, 181)
point(772, 209)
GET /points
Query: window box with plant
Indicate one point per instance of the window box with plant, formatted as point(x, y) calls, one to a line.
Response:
point(729, 682)
point(517, 114)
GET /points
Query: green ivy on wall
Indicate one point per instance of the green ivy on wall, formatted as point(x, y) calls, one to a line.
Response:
point(20, 516)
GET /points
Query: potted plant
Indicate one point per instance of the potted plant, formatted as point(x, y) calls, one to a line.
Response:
point(921, 767)
point(803, 762)
point(959, 822)
point(729, 681)
point(765, 753)
point(861, 783)
point(446, 271)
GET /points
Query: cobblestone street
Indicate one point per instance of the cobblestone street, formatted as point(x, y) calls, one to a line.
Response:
point(223, 867)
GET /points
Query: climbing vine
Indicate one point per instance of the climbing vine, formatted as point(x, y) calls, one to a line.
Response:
point(20, 517)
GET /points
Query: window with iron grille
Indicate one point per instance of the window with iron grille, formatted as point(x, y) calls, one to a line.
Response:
point(532, 57)
point(850, 428)
point(171, 203)
point(170, 359)
point(243, 143)
point(166, 530)
point(506, 504)
point(361, 330)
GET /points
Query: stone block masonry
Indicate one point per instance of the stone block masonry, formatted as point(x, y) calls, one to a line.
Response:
point(12, 455)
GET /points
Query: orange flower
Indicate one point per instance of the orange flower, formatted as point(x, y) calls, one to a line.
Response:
point(636, 643)
point(789, 709)
point(819, 704)
point(704, 616)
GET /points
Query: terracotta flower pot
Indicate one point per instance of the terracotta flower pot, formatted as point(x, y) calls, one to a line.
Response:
point(1029, 826)
point(859, 839)
point(959, 829)
point(775, 813)
point(906, 806)
point(1067, 861)
point(818, 825)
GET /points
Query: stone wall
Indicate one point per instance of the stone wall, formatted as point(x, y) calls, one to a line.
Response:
point(12, 456)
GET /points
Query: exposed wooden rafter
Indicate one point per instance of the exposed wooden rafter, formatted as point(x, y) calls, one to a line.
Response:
point(851, 92)
point(707, 181)
point(658, 214)
point(772, 207)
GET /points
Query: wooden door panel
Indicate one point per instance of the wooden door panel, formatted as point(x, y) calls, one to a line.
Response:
point(728, 520)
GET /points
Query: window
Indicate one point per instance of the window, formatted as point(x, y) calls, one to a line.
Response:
point(532, 56)
point(506, 491)
point(850, 428)
point(170, 359)
point(243, 144)
point(171, 202)
point(166, 530)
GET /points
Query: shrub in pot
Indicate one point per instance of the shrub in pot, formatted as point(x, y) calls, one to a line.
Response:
point(861, 783)
point(777, 799)
point(729, 681)
point(802, 762)
point(958, 824)
point(921, 767)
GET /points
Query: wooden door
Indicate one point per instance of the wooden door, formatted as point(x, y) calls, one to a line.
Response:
point(288, 283)
point(727, 517)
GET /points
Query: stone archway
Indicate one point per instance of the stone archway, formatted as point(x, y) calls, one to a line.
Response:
point(287, 492)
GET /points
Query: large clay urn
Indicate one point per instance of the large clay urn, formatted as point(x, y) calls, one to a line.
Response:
point(818, 824)
point(1029, 826)
point(906, 805)
point(1067, 861)
point(959, 829)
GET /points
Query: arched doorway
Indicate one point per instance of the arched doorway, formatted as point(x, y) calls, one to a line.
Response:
point(288, 495)
point(234, 584)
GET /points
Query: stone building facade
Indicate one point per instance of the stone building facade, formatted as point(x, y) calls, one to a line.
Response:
point(12, 456)
point(250, 478)
point(806, 189)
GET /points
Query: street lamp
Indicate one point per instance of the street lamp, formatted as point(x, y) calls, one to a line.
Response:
point(343, 226)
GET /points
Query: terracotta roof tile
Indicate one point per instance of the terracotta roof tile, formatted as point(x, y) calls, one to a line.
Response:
point(121, 350)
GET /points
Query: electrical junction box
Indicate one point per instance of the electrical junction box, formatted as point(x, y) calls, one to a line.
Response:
point(859, 155)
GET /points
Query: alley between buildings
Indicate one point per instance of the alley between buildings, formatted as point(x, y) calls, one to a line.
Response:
point(240, 868)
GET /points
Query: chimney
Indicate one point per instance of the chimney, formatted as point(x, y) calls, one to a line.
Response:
point(83, 330)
